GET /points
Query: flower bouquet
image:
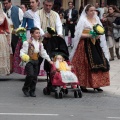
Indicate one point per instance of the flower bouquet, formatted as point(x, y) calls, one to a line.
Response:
point(97, 30)
point(25, 59)
point(21, 32)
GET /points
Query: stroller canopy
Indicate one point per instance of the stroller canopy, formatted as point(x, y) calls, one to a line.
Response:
point(56, 45)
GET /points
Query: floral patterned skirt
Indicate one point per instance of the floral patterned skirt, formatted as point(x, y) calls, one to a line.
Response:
point(86, 77)
point(4, 55)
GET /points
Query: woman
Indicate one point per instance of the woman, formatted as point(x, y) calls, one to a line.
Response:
point(90, 59)
point(113, 14)
point(4, 44)
point(31, 19)
point(24, 7)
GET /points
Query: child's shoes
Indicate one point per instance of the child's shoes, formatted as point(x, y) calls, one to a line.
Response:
point(74, 86)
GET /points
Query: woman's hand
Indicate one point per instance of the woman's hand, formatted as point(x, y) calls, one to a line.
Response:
point(98, 37)
point(89, 36)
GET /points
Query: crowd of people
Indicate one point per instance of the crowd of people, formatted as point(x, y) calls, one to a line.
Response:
point(89, 54)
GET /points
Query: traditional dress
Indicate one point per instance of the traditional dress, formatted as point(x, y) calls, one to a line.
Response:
point(66, 75)
point(89, 60)
point(4, 47)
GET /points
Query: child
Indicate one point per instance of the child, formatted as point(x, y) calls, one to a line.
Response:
point(65, 70)
point(32, 49)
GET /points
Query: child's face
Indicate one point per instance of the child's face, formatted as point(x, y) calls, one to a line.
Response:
point(36, 34)
point(59, 58)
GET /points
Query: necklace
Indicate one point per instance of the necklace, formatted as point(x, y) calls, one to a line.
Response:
point(92, 21)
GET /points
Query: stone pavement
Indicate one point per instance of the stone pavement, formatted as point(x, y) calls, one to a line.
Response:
point(114, 88)
point(92, 106)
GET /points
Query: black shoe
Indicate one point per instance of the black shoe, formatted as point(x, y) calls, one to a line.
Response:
point(32, 94)
point(84, 89)
point(26, 93)
point(111, 59)
point(98, 89)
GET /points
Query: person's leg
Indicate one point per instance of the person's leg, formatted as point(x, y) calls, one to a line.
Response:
point(111, 45)
point(14, 42)
point(66, 34)
point(34, 80)
point(40, 60)
point(117, 48)
point(29, 78)
point(72, 30)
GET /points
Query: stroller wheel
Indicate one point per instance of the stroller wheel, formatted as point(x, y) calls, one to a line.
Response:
point(66, 91)
point(75, 94)
point(56, 95)
point(46, 91)
point(61, 94)
point(79, 93)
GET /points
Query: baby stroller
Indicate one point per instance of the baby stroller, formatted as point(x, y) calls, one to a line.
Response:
point(56, 45)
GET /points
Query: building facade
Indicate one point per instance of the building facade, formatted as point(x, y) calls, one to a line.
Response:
point(77, 3)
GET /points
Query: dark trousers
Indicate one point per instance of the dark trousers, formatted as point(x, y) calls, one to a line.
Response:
point(14, 42)
point(71, 28)
point(31, 69)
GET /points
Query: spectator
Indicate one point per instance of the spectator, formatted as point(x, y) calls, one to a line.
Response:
point(113, 14)
point(71, 16)
point(24, 7)
point(103, 10)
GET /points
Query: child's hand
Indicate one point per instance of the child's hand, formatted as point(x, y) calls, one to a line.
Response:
point(57, 70)
point(51, 62)
point(47, 35)
point(25, 58)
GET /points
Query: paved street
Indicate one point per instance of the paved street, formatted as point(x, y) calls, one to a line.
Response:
point(92, 106)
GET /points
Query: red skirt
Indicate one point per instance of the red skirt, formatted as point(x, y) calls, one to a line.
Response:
point(86, 77)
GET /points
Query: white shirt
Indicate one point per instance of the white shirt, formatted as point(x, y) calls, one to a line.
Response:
point(58, 25)
point(70, 13)
point(38, 49)
point(37, 22)
point(102, 11)
point(9, 14)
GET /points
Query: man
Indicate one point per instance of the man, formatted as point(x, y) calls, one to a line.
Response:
point(97, 6)
point(49, 18)
point(15, 16)
point(103, 10)
point(71, 16)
